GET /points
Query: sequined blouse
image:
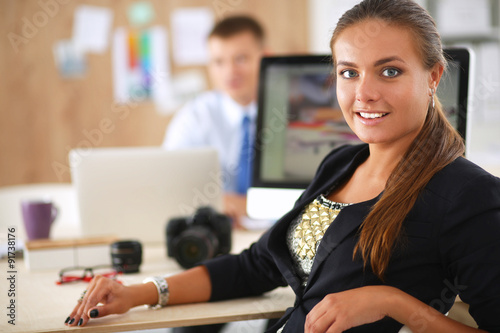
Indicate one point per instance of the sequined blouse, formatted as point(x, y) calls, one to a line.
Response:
point(306, 231)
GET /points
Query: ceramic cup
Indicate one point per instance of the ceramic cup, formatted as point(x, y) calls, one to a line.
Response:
point(38, 216)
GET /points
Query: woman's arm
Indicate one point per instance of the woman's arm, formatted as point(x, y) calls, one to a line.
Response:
point(341, 311)
point(191, 286)
point(420, 317)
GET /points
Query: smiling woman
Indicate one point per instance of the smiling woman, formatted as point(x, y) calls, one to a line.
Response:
point(388, 232)
point(387, 98)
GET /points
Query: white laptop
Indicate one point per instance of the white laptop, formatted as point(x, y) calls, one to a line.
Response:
point(132, 192)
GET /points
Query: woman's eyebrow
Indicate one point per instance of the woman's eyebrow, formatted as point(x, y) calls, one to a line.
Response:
point(388, 59)
point(346, 63)
point(376, 64)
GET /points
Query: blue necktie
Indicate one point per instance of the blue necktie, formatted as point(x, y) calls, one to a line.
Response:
point(245, 173)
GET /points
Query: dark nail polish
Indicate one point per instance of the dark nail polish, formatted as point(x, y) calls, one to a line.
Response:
point(67, 320)
point(94, 313)
point(71, 321)
point(80, 322)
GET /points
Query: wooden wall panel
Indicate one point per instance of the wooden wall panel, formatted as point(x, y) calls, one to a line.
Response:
point(43, 116)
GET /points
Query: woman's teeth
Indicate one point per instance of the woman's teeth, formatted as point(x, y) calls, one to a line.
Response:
point(372, 115)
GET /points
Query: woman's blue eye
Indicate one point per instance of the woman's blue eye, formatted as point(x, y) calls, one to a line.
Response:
point(348, 74)
point(391, 72)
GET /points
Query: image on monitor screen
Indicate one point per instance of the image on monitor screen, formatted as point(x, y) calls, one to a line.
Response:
point(314, 122)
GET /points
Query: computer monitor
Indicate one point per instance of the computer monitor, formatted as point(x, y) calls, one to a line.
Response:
point(299, 121)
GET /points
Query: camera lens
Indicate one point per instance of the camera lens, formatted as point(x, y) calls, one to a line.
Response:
point(194, 245)
point(126, 256)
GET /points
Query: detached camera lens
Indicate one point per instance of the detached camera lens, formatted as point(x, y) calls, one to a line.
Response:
point(126, 256)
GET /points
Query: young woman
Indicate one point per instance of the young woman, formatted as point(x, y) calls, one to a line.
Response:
point(388, 232)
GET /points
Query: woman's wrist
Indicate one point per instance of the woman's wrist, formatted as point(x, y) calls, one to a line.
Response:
point(143, 294)
point(391, 300)
point(162, 290)
point(401, 306)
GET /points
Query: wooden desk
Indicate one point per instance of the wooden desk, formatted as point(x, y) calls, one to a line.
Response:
point(42, 306)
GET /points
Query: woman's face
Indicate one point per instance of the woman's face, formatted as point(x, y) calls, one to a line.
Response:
point(382, 86)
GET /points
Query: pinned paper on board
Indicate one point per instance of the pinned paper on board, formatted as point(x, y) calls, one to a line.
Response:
point(190, 29)
point(69, 58)
point(91, 28)
point(186, 85)
point(140, 13)
point(141, 70)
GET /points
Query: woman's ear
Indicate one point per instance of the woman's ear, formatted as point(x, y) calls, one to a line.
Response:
point(435, 76)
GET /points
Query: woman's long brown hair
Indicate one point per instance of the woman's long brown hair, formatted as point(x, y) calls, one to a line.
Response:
point(437, 144)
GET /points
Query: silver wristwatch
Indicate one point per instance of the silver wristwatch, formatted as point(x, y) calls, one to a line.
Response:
point(162, 288)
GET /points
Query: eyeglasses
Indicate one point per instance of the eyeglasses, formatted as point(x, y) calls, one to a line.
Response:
point(72, 274)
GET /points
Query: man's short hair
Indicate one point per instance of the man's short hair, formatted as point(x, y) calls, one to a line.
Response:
point(234, 25)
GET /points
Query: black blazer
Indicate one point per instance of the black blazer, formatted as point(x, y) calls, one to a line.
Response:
point(450, 245)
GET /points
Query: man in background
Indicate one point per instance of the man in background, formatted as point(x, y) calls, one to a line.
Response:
point(225, 118)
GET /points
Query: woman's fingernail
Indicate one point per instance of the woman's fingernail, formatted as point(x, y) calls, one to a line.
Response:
point(80, 322)
point(67, 320)
point(71, 321)
point(94, 313)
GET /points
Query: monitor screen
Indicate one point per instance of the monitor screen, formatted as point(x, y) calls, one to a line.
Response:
point(299, 120)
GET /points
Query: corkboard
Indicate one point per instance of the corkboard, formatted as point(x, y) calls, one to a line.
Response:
point(43, 115)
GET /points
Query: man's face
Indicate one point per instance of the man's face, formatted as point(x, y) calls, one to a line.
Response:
point(234, 65)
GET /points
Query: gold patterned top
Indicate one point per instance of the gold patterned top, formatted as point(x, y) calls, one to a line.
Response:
point(306, 231)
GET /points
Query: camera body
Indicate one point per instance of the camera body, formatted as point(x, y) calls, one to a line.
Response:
point(205, 235)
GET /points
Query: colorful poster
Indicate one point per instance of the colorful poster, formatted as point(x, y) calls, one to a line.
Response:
point(141, 67)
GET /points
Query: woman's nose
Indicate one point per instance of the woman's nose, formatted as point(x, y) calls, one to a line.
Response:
point(367, 89)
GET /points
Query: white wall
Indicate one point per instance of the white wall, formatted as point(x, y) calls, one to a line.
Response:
point(323, 16)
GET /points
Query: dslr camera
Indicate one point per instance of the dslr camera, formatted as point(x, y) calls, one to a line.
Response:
point(205, 235)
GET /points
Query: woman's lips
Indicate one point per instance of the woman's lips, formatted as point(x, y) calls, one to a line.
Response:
point(372, 115)
point(371, 118)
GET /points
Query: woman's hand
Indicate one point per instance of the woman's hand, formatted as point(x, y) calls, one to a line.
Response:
point(191, 286)
point(341, 311)
point(115, 298)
